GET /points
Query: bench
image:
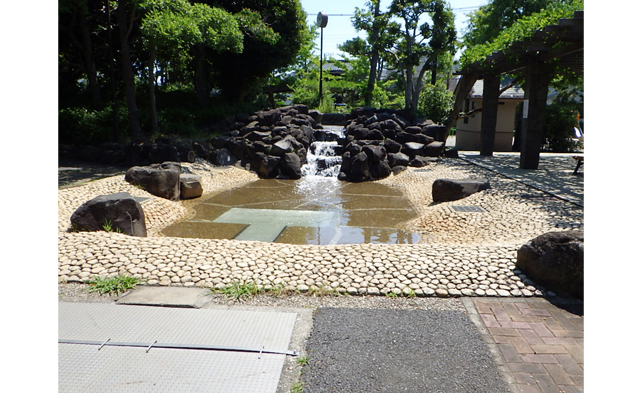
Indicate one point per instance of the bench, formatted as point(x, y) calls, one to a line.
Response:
point(579, 160)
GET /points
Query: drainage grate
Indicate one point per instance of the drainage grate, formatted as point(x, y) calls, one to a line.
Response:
point(468, 208)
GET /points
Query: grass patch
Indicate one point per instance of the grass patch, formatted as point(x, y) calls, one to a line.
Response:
point(302, 361)
point(114, 285)
point(239, 290)
point(297, 387)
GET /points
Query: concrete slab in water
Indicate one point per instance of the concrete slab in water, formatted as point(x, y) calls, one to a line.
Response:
point(267, 224)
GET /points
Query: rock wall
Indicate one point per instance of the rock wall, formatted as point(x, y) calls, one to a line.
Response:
point(274, 144)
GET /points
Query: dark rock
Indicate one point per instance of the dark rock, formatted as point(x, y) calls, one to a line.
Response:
point(437, 132)
point(257, 135)
point(375, 153)
point(316, 115)
point(160, 153)
point(398, 169)
point(269, 118)
point(418, 161)
point(190, 186)
point(380, 170)
point(434, 149)
point(392, 146)
point(120, 211)
point(162, 180)
point(456, 189)
point(281, 147)
point(413, 129)
point(290, 166)
point(398, 159)
point(413, 148)
point(266, 165)
point(224, 157)
point(200, 149)
point(359, 168)
point(451, 153)
point(555, 260)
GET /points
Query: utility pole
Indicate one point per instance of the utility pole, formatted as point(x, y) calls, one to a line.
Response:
point(323, 18)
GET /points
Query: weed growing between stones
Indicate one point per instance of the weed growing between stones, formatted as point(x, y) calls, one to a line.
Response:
point(114, 285)
point(239, 290)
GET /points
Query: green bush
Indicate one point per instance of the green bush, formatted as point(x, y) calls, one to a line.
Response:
point(82, 126)
point(559, 121)
point(435, 102)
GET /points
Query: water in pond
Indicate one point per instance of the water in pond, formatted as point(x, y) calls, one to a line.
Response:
point(317, 209)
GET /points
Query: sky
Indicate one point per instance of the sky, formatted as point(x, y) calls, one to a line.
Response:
point(340, 29)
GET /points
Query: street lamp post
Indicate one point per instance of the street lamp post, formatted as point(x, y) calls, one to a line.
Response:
point(323, 18)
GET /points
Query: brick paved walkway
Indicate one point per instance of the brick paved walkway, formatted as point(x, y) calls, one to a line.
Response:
point(541, 344)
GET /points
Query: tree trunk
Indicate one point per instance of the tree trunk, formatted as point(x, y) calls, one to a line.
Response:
point(152, 90)
point(92, 74)
point(200, 81)
point(464, 86)
point(127, 70)
point(368, 96)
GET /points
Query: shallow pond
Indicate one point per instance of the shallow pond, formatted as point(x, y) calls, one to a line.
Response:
point(313, 210)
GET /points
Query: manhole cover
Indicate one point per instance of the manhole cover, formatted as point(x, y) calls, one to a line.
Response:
point(468, 208)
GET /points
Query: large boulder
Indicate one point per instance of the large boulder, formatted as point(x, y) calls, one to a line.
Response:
point(162, 180)
point(190, 186)
point(290, 166)
point(456, 189)
point(118, 212)
point(555, 260)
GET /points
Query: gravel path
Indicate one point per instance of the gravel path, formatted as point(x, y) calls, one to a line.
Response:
point(461, 253)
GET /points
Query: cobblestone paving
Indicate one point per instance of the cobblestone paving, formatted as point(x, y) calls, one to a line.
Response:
point(460, 254)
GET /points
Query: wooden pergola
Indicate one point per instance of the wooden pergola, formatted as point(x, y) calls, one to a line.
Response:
point(537, 57)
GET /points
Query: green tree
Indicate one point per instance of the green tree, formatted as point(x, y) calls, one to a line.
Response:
point(238, 74)
point(421, 41)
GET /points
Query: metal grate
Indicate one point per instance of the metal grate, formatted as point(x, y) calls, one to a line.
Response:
point(468, 208)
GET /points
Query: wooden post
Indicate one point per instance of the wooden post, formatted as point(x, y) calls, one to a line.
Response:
point(490, 96)
point(538, 76)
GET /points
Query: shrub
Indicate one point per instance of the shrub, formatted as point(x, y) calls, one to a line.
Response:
point(435, 102)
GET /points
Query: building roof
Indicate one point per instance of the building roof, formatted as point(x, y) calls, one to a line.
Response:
point(514, 92)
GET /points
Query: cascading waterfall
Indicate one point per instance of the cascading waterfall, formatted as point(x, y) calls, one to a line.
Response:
point(322, 160)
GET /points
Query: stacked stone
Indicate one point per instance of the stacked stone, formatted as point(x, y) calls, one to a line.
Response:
point(372, 269)
point(272, 143)
point(381, 142)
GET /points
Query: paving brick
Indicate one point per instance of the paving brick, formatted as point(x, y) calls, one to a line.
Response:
point(515, 324)
point(539, 358)
point(489, 320)
point(526, 368)
point(571, 389)
point(577, 352)
point(578, 380)
point(500, 314)
point(524, 318)
point(502, 339)
point(541, 329)
point(567, 333)
point(509, 353)
point(530, 336)
point(569, 364)
point(529, 388)
point(511, 308)
point(508, 332)
point(485, 306)
point(543, 348)
point(546, 383)
point(536, 312)
point(520, 344)
point(524, 378)
point(560, 341)
point(558, 374)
